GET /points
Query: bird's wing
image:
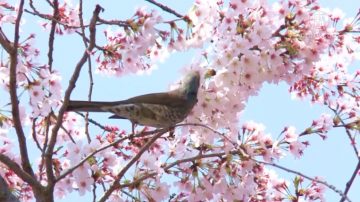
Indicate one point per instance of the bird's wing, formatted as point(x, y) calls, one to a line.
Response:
point(142, 110)
point(168, 98)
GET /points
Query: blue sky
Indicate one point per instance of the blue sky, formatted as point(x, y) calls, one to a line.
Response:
point(333, 159)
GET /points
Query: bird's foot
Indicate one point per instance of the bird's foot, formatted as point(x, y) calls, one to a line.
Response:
point(171, 133)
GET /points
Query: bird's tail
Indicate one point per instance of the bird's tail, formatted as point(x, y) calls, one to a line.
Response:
point(86, 106)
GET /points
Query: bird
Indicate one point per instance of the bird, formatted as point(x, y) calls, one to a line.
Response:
point(159, 110)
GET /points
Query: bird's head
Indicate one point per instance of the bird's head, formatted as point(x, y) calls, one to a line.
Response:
point(190, 86)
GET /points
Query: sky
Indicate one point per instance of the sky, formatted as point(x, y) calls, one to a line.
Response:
point(332, 159)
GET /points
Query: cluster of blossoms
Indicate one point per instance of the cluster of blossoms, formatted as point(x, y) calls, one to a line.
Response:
point(41, 83)
point(253, 43)
point(128, 49)
point(247, 43)
point(68, 15)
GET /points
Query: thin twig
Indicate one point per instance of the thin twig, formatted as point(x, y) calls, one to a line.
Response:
point(222, 155)
point(173, 164)
point(165, 8)
point(94, 190)
point(87, 40)
point(348, 133)
point(114, 22)
point(332, 187)
point(95, 122)
point(350, 182)
point(50, 63)
point(70, 170)
point(211, 129)
point(34, 135)
point(52, 34)
point(89, 68)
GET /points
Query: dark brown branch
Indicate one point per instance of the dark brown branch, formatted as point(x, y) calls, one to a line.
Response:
point(19, 172)
point(72, 84)
point(25, 162)
point(165, 8)
point(52, 33)
point(116, 182)
point(4, 41)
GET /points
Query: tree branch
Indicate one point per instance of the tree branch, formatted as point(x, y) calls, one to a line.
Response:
point(165, 8)
point(52, 33)
point(348, 133)
point(221, 155)
point(116, 182)
point(350, 182)
point(4, 41)
point(91, 81)
point(25, 162)
point(70, 170)
point(19, 172)
point(332, 187)
point(119, 23)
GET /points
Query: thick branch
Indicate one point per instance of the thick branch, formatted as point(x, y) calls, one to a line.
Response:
point(19, 172)
point(72, 84)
